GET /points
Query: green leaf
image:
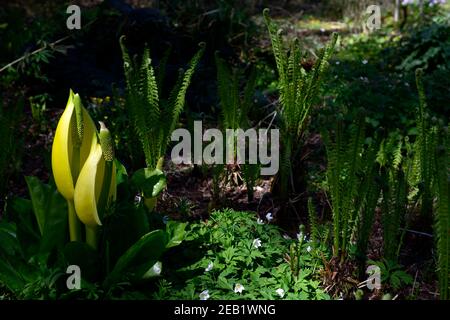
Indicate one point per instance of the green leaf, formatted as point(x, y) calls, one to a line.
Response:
point(139, 258)
point(121, 172)
point(8, 238)
point(176, 232)
point(38, 193)
point(10, 277)
point(55, 229)
point(223, 283)
point(126, 217)
point(15, 273)
point(21, 210)
point(50, 210)
point(150, 182)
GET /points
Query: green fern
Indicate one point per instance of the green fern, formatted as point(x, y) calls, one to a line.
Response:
point(153, 118)
point(313, 224)
point(394, 209)
point(235, 107)
point(298, 90)
point(367, 200)
point(442, 217)
point(424, 146)
point(394, 171)
point(344, 179)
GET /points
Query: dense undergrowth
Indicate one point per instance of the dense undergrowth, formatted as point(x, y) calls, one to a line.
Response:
point(364, 156)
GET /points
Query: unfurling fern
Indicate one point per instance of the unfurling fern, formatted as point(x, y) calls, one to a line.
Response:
point(344, 178)
point(394, 170)
point(235, 108)
point(153, 118)
point(442, 218)
point(424, 146)
point(313, 224)
point(367, 200)
point(298, 90)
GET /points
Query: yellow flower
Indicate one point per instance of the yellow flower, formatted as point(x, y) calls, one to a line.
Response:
point(75, 136)
point(96, 177)
point(74, 139)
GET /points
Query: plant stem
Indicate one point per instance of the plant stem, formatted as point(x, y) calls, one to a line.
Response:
point(74, 223)
point(91, 237)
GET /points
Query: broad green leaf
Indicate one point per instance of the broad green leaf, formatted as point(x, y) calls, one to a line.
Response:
point(176, 232)
point(55, 229)
point(154, 271)
point(121, 172)
point(15, 273)
point(137, 260)
point(38, 193)
point(50, 210)
point(28, 234)
point(151, 182)
point(123, 229)
point(8, 238)
point(10, 277)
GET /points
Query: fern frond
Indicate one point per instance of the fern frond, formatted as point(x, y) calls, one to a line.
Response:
point(277, 45)
point(225, 83)
point(297, 92)
point(442, 218)
point(153, 119)
point(177, 97)
point(314, 231)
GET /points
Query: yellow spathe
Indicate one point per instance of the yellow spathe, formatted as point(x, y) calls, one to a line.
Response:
point(89, 187)
point(65, 167)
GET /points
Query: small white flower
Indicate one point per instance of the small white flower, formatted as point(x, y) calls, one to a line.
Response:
point(209, 267)
point(286, 237)
point(260, 221)
point(238, 288)
point(338, 62)
point(365, 61)
point(308, 248)
point(137, 199)
point(300, 236)
point(364, 79)
point(322, 30)
point(280, 292)
point(269, 216)
point(256, 243)
point(157, 267)
point(204, 295)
